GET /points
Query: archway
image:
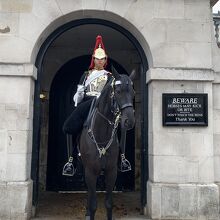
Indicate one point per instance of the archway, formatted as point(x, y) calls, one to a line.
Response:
point(60, 107)
point(43, 85)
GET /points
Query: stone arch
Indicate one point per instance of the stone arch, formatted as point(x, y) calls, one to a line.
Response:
point(92, 14)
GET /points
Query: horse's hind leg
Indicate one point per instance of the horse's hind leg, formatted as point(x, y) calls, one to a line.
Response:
point(91, 200)
point(110, 178)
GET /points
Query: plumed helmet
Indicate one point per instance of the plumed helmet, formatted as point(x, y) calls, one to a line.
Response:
point(99, 51)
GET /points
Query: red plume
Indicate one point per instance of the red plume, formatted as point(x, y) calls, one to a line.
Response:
point(98, 42)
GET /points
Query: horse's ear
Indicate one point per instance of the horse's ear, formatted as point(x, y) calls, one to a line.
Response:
point(133, 74)
point(115, 73)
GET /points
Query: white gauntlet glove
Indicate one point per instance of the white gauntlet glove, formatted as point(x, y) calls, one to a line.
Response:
point(78, 97)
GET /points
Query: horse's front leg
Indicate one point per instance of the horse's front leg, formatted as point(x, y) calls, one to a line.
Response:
point(91, 200)
point(110, 178)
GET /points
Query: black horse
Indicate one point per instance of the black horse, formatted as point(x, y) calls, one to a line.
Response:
point(99, 145)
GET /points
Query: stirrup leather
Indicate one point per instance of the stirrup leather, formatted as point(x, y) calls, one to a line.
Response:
point(125, 164)
point(68, 168)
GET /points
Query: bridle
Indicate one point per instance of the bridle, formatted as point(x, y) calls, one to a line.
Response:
point(118, 107)
point(116, 110)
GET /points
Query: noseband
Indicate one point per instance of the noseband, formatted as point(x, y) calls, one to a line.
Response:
point(126, 105)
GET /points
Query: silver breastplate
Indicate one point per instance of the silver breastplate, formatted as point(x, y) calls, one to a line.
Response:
point(96, 82)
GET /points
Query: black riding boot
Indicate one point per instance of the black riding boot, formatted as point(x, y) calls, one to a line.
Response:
point(125, 164)
point(69, 169)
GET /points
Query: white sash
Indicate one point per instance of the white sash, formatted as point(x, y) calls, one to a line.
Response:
point(95, 74)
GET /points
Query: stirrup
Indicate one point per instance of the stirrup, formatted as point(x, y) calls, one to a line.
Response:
point(68, 168)
point(125, 164)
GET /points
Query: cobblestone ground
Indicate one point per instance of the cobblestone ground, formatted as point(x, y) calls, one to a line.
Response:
point(59, 206)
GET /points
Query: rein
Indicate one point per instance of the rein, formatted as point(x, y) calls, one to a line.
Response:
point(116, 113)
point(102, 150)
point(103, 116)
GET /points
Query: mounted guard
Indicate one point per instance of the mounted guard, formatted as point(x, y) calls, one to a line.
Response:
point(88, 91)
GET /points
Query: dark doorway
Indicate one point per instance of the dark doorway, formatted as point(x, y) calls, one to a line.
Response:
point(61, 105)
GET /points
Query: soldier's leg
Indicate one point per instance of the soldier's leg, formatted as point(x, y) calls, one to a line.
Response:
point(72, 127)
point(69, 169)
point(74, 123)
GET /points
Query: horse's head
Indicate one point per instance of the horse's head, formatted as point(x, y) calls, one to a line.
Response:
point(124, 95)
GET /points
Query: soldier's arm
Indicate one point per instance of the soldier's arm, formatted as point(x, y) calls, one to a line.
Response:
point(79, 95)
point(83, 78)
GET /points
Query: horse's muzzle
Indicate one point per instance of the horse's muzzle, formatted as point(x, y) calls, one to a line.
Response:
point(127, 118)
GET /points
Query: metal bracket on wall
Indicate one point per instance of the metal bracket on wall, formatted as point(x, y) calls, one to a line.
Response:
point(217, 23)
